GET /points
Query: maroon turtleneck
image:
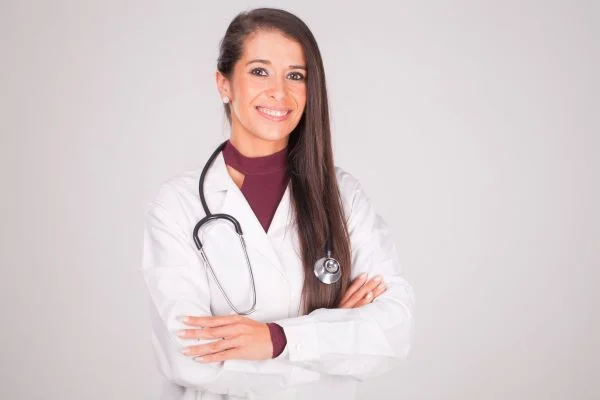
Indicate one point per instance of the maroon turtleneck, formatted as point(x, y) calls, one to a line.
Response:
point(265, 181)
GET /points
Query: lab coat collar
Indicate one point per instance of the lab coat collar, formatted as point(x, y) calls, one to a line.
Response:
point(218, 180)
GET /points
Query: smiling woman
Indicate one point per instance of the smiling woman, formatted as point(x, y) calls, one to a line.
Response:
point(268, 82)
point(310, 321)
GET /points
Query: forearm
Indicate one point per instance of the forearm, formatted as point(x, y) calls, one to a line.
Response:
point(278, 339)
point(234, 377)
point(357, 342)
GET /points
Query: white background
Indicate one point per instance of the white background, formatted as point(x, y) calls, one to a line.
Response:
point(473, 126)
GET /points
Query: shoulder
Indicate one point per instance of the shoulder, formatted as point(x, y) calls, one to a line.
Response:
point(346, 181)
point(350, 188)
point(176, 192)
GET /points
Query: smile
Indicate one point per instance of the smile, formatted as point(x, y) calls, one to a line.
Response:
point(274, 115)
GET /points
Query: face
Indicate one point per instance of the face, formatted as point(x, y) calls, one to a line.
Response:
point(267, 90)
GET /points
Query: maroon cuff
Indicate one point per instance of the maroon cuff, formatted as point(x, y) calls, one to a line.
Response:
point(277, 338)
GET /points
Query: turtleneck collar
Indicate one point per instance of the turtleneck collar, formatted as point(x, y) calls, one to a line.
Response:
point(254, 165)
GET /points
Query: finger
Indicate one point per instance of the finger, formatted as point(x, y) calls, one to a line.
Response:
point(362, 292)
point(379, 290)
point(371, 296)
point(209, 321)
point(356, 284)
point(350, 303)
point(230, 354)
point(353, 302)
point(365, 300)
point(225, 332)
point(209, 348)
point(358, 295)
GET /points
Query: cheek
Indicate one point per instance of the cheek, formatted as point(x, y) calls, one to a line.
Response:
point(246, 91)
point(253, 88)
point(300, 96)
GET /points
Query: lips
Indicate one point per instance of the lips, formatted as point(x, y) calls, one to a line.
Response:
point(274, 113)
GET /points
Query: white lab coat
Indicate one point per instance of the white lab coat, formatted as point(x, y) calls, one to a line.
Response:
point(327, 351)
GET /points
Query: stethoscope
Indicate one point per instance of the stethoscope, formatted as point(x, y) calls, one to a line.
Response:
point(327, 268)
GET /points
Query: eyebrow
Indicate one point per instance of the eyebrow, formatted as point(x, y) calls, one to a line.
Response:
point(262, 61)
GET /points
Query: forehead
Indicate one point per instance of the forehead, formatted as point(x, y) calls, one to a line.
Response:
point(272, 45)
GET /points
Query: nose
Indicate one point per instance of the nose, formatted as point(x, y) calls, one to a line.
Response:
point(277, 91)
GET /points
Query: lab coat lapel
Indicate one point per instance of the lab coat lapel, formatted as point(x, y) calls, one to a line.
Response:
point(283, 216)
point(255, 236)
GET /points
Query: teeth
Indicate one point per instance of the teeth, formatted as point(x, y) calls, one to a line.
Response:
point(273, 112)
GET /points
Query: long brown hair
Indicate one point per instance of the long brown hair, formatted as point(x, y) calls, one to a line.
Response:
point(316, 196)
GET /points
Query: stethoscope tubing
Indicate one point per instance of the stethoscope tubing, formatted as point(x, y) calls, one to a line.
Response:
point(327, 269)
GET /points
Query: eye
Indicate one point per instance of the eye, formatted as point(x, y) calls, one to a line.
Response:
point(259, 71)
point(296, 76)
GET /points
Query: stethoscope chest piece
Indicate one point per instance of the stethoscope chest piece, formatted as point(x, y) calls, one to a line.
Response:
point(328, 270)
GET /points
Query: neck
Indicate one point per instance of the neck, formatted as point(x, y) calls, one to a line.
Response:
point(251, 146)
point(272, 163)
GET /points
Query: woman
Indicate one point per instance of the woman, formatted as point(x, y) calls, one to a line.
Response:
point(302, 337)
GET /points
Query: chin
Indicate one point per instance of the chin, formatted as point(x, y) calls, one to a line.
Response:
point(273, 135)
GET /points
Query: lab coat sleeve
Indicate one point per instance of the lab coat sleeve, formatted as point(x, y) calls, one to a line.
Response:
point(365, 341)
point(176, 281)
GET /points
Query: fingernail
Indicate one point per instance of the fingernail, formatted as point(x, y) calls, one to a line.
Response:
point(186, 350)
point(369, 295)
point(182, 318)
point(363, 275)
point(377, 279)
point(198, 359)
point(181, 333)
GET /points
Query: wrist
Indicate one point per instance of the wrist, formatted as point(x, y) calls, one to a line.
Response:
point(278, 338)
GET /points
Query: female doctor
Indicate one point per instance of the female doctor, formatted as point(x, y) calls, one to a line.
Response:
point(269, 273)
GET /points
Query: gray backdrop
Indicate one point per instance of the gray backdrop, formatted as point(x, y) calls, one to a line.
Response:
point(473, 126)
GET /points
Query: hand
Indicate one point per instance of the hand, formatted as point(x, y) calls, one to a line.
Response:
point(360, 292)
point(238, 337)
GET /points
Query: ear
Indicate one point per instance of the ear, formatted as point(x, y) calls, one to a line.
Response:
point(223, 85)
